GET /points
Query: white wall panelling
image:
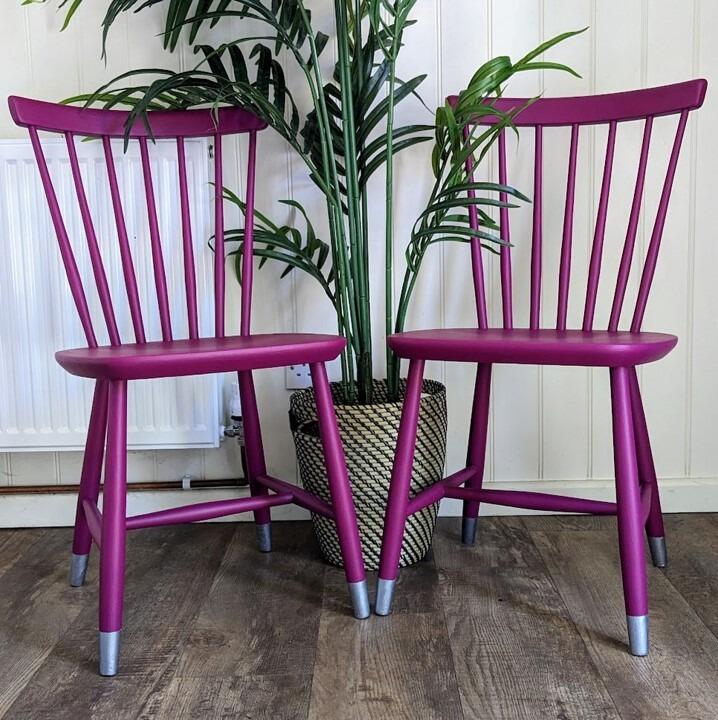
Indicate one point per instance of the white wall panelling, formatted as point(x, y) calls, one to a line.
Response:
point(549, 426)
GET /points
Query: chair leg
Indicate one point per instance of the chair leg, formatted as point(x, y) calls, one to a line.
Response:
point(630, 524)
point(255, 458)
point(647, 472)
point(89, 484)
point(396, 509)
point(341, 494)
point(112, 550)
point(476, 456)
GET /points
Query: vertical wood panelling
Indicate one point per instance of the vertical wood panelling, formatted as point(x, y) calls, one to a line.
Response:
point(703, 449)
point(564, 399)
point(459, 310)
point(664, 385)
point(272, 307)
point(411, 188)
point(516, 436)
point(693, 149)
point(4, 469)
point(552, 423)
point(618, 64)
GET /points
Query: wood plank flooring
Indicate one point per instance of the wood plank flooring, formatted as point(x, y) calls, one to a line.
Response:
point(527, 624)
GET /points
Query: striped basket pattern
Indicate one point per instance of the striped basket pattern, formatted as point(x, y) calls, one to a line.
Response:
point(369, 435)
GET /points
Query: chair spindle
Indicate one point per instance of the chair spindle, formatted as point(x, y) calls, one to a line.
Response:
point(187, 250)
point(537, 239)
point(248, 254)
point(218, 240)
point(624, 269)
point(128, 268)
point(564, 277)
point(654, 246)
point(68, 257)
point(505, 251)
point(594, 269)
point(98, 268)
point(477, 260)
point(158, 264)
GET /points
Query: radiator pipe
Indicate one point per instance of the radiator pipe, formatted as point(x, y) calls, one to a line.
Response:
point(141, 486)
point(234, 431)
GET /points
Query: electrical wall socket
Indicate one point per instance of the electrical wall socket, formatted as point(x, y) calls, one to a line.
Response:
point(298, 377)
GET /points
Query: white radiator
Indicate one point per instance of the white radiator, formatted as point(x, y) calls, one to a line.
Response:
point(41, 406)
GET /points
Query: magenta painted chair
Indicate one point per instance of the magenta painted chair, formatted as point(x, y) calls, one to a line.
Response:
point(637, 505)
point(113, 365)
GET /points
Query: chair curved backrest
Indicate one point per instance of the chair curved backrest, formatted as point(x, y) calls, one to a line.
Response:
point(576, 112)
point(178, 125)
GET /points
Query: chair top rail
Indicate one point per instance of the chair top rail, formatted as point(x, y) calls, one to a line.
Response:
point(54, 117)
point(598, 109)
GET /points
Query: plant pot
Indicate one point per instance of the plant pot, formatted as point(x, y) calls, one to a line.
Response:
point(369, 434)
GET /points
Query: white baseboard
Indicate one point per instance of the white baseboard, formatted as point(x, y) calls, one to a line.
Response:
point(58, 510)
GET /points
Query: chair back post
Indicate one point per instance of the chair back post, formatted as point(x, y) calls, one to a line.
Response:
point(106, 125)
point(612, 109)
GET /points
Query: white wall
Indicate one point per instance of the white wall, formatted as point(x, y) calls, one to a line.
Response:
point(548, 424)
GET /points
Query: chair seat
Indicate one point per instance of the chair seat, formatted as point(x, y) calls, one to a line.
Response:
point(534, 347)
point(198, 357)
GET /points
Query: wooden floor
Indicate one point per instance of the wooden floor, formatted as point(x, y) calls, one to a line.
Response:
point(528, 624)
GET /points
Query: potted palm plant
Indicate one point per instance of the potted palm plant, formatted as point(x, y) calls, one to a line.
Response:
point(348, 135)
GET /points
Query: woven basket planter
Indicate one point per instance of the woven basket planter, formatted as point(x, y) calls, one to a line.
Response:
point(369, 434)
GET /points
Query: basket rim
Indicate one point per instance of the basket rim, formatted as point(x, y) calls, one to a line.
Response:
point(434, 395)
point(429, 388)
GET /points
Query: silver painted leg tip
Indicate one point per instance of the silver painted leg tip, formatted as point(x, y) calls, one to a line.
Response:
point(264, 537)
point(658, 551)
point(468, 531)
point(109, 653)
point(359, 593)
point(638, 634)
point(384, 596)
point(78, 569)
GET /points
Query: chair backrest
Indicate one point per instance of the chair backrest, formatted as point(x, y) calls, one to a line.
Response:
point(574, 113)
point(177, 125)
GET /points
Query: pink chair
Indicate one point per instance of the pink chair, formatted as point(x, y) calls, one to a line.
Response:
point(637, 498)
point(113, 365)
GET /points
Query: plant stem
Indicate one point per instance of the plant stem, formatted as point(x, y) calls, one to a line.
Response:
point(366, 364)
point(343, 325)
point(342, 273)
point(358, 254)
point(392, 381)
